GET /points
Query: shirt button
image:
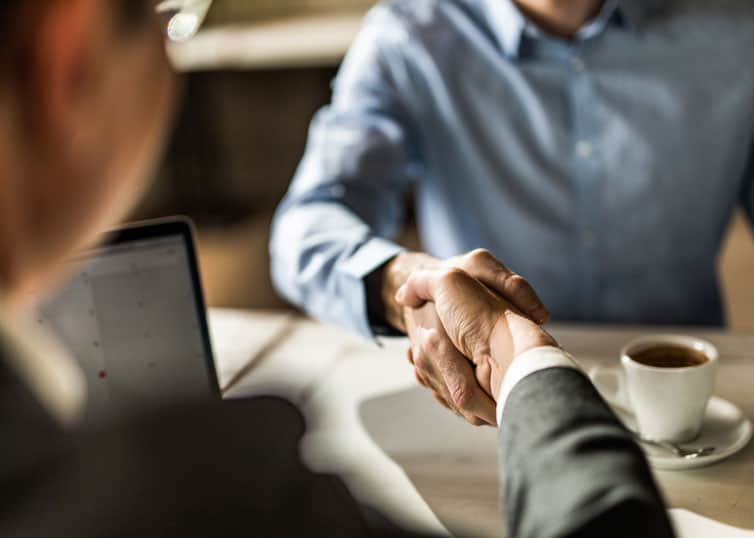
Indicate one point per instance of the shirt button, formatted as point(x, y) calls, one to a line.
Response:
point(584, 149)
point(578, 64)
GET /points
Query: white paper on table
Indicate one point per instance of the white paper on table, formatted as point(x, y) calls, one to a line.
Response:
point(690, 525)
point(338, 443)
point(240, 337)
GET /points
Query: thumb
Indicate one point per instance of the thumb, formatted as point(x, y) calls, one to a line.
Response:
point(418, 290)
point(483, 266)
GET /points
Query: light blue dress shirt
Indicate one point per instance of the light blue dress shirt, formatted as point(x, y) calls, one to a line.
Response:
point(605, 170)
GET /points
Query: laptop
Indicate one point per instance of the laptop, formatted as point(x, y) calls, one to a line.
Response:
point(134, 317)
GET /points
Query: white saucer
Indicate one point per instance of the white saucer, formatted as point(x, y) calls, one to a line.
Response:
point(725, 427)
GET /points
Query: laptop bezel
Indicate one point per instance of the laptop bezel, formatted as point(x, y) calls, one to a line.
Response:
point(164, 227)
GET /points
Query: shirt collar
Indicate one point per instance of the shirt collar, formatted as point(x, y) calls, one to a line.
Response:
point(509, 24)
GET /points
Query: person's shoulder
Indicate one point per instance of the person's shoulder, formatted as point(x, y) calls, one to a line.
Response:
point(724, 27)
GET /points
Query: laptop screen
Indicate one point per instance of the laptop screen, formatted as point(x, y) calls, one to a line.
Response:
point(132, 317)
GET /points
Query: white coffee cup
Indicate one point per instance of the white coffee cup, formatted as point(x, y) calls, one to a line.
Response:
point(668, 402)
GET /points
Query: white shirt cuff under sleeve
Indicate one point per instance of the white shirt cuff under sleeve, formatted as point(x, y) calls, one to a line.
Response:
point(528, 362)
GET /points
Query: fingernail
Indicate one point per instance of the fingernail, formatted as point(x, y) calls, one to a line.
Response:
point(540, 314)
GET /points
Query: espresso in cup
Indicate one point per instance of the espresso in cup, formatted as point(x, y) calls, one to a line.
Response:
point(669, 380)
point(670, 356)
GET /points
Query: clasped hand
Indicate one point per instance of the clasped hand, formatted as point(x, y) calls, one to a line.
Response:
point(467, 318)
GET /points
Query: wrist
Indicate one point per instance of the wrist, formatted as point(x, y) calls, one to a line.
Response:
point(395, 273)
point(513, 334)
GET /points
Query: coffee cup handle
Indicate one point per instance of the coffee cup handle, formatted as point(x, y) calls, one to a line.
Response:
point(610, 383)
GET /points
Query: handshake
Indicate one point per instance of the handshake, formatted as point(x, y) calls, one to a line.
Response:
point(467, 319)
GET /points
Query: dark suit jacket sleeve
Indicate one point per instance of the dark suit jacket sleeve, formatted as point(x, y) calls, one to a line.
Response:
point(570, 468)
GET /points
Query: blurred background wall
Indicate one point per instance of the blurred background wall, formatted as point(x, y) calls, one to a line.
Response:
point(253, 79)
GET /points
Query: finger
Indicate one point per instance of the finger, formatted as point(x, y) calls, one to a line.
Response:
point(437, 391)
point(426, 379)
point(416, 291)
point(426, 375)
point(466, 395)
point(478, 408)
point(461, 389)
point(494, 274)
point(434, 350)
point(424, 370)
point(441, 400)
point(420, 379)
point(483, 375)
point(421, 287)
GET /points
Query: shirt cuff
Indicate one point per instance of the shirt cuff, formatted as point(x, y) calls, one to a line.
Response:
point(527, 363)
point(369, 257)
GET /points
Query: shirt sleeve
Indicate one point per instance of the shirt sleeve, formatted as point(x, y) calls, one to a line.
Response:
point(527, 363)
point(346, 203)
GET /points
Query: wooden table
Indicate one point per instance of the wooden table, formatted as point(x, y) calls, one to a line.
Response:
point(399, 451)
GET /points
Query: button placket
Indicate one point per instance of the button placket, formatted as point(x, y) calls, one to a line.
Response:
point(586, 175)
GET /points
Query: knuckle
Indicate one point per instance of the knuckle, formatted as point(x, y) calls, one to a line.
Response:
point(421, 362)
point(479, 255)
point(412, 280)
point(515, 283)
point(432, 343)
point(420, 379)
point(452, 276)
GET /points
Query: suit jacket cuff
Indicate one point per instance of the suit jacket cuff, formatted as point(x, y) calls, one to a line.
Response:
point(527, 363)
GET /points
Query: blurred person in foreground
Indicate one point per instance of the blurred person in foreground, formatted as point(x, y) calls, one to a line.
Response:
point(85, 93)
point(597, 147)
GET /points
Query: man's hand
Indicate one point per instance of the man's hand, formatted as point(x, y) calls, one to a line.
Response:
point(459, 384)
point(480, 264)
point(440, 367)
point(479, 323)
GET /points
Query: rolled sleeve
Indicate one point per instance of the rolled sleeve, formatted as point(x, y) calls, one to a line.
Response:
point(374, 253)
point(346, 203)
point(321, 255)
point(371, 255)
